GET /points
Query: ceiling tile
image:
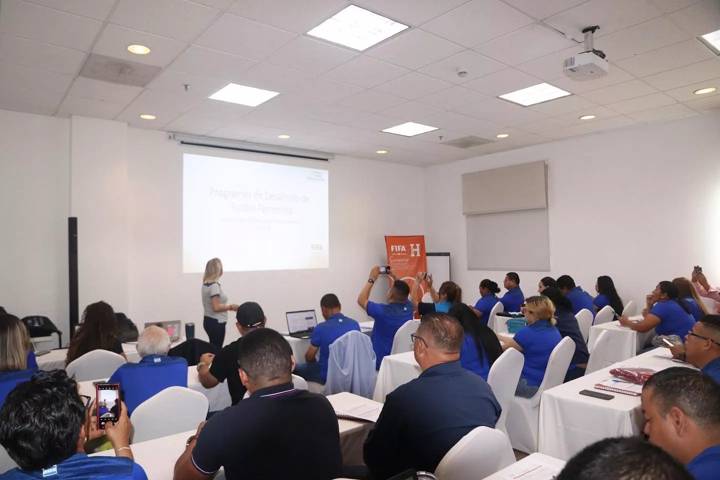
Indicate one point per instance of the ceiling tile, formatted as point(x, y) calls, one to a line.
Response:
point(319, 90)
point(414, 49)
point(166, 106)
point(30, 53)
point(114, 40)
point(212, 63)
point(33, 78)
point(463, 124)
point(89, 107)
point(694, 73)
point(365, 71)
point(639, 104)
point(668, 58)
point(371, 101)
point(196, 124)
point(371, 121)
point(573, 118)
point(642, 38)
point(668, 6)
point(598, 126)
point(559, 106)
point(411, 12)
point(545, 8)
point(473, 64)
point(705, 104)
point(271, 77)
point(310, 55)
point(455, 98)
point(610, 15)
point(618, 92)
point(243, 37)
point(500, 111)
point(113, 93)
point(525, 44)
point(413, 85)
point(48, 25)
point(701, 18)
point(19, 98)
point(200, 87)
point(501, 82)
point(179, 19)
point(550, 66)
point(219, 4)
point(477, 22)
point(685, 93)
point(223, 112)
point(668, 112)
point(97, 9)
point(290, 15)
point(411, 110)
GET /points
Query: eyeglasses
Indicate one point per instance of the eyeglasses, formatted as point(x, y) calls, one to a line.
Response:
point(414, 338)
point(693, 334)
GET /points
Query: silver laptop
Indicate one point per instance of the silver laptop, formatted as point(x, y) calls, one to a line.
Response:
point(301, 323)
point(172, 327)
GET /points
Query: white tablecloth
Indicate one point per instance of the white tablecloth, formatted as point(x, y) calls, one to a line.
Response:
point(543, 467)
point(570, 421)
point(395, 370)
point(626, 340)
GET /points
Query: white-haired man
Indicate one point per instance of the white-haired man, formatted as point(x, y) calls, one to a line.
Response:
point(155, 371)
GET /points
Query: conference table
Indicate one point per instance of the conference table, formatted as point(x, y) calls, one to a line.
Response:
point(300, 345)
point(533, 467)
point(625, 340)
point(570, 421)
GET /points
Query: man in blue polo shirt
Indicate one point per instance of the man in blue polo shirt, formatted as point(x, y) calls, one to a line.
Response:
point(514, 298)
point(702, 346)
point(335, 326)
point(155, 371)
point(682, 416)
point(389, 317)
point(578, 297)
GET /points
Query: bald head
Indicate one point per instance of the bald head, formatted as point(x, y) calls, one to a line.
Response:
point(153, 341)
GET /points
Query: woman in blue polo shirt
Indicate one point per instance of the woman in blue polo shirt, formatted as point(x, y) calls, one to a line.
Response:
point(17, 362)
point(687, 293)
point(607, 295)
point(488, 299)
point(481, 346)
point(665, 312)
point(536, 342)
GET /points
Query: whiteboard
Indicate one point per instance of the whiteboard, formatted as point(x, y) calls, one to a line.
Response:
point(438, 264)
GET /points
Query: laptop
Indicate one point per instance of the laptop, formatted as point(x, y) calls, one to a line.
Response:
point(172, 327)
point(301, 323)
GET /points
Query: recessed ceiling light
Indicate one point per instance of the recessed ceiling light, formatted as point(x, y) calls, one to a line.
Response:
point(147, 116)
point(703, 91)
point(502, 135)
point(357, 28)
point(381, 152)
point(409, 129)
point(284, 136)
point(587, 117)
point(138, 49)
point(542, 92)
point(712, 40)
point(242, 95)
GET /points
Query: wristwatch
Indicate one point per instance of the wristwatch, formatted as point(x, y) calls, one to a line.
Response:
point(371, 281)
point(190, 440)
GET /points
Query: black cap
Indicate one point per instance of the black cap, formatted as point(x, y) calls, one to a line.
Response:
point(250, 315)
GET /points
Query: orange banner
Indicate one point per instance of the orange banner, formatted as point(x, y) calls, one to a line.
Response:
point(406, 256)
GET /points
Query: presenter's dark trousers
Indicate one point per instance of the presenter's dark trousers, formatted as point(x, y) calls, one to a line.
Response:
point(215, 331)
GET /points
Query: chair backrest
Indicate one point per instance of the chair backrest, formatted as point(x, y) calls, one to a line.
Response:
point(402, 342)
point(604, 353)
point(351, 365)
point(299, 382)
point(503, 379)
point(94, 365)
point(478, 454)
point(585, 321)
point(174, 410)
point(557, 366)
point(629, 309)
point(605, 315)
point(494, 320)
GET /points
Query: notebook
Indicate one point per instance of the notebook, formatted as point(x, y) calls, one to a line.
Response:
point(620, 386)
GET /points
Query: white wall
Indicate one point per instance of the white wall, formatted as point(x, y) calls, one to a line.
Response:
point(641, 205)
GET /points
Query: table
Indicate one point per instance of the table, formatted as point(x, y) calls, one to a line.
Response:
point(627, 341)
point(395, 370)
point(543, 467)
point(352, 433)
point(569, 421)
point(299, 346)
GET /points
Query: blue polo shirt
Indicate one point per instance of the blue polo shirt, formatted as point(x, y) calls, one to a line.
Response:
point(82, 467)
point(601, 301)
point(31, 361)
point(485, 304)
point(673, 319)
point(513, 300)
point(695, 309)
point(9, 380)
point(472, 359)
point(153, 374)
point(712, 370)
point(326, 333)
point(389, 317)
point(580, 299)
point(443, 307)
point(537, 341)
point(706, 466)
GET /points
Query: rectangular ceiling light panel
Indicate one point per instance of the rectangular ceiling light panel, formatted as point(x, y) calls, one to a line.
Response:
point(357, 28)
point(410, 129)
point(242, 95)
point(542, 92)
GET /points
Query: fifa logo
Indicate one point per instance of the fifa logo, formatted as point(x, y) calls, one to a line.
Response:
point(414, 249)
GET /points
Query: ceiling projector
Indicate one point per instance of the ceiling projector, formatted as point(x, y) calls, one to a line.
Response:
point(588, 64)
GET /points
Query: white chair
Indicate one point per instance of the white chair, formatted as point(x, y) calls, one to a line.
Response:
point(478, 454)
point(503, 379)
point(585, 320)
point(629, 309)
point(94, 365)
point(523, 418)
point(299, 383)
point(605, 315)
point(173, 410)
point(497, 324)
point(604, 353)
point(401, 341)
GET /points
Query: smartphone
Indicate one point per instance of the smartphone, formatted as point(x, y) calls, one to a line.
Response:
point(384, 270)
point(107, 403)
point(697, 269)
point(594, 394)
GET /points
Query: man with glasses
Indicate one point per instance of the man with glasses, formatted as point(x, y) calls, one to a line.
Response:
point(702, 346)
point(426, 417)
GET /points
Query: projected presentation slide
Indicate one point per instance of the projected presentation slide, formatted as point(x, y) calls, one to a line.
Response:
point(253, 215)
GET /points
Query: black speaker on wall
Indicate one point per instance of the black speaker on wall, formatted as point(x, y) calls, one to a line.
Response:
point(73, 272)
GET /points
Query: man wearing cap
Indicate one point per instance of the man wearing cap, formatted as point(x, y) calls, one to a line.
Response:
point(212, 370)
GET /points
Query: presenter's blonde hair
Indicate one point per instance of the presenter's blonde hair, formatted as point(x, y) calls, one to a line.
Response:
point(213, 270)
point(542, 307)
point(14, 344)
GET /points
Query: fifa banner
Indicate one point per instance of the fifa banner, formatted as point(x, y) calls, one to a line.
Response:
point(406, 257)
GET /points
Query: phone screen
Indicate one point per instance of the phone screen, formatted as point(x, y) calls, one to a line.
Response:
point(107, 403)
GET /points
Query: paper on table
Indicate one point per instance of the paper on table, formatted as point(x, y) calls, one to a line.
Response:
point(368, 410)
point(531, 472)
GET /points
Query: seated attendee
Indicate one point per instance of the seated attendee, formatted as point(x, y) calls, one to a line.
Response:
point(578, 297)
point(623, 458)
point(44, 426)
point(389, 317)
point(513, 299)
point(443, 299)
point(15, 352)
point(488, 299)
point(546, 282)
point(424, 418)
point(153, 373)
point(687, 293)
point(335, 326)
point(480, 347)
point(568, 326)
point(98, 331)
point(682, 416)
point(702, 346)
point(703, 288)
point(665, 312)
point(607, 295)
point(212, 370)
point(536, 342)
point(279, 432)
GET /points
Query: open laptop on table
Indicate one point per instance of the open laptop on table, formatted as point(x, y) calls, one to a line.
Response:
point(301, 323)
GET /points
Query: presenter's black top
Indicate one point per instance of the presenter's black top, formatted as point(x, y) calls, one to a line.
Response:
point(426, 417)
point(277, 433)
point(225, 367)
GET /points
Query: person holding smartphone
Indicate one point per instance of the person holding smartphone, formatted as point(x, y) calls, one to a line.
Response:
point(703, 288)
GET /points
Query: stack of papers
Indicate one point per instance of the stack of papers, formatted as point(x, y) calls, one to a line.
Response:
point(355, 407)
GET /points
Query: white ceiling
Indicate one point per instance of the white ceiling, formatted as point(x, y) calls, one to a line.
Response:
point(336, 99)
